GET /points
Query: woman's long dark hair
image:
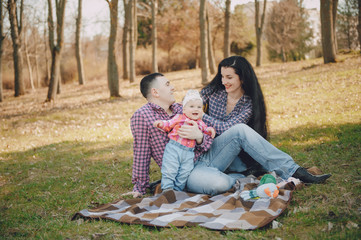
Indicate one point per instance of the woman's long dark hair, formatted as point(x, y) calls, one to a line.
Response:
point(251, 88)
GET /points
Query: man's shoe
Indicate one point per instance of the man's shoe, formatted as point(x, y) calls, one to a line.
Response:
point(306, 177)
point(153, 185)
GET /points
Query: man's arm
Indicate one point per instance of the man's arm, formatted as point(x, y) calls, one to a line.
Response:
point(141, 152)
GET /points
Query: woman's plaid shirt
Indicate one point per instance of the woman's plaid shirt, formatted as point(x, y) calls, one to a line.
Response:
point(217, 105)
point(149, 142)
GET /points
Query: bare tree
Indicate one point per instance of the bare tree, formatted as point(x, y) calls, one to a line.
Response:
point(283, 29)
point(334, 17)
point(211, 62)
point(347, 19)
point(113, 76)
point(127, 15)
point(227, 20)
point(154, 36)
point(55, 47)
point(16, 36)
point(203, 40)
point(132, 42)
point(2, 37)
point(259, 28)
point(328, 30)
point(46, 53)
point(78, 53)
point(28, 63)
point(36, 56)
point(135, 23)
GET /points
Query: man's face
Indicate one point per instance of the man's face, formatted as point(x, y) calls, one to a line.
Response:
point(164, 90)
point(193, 109)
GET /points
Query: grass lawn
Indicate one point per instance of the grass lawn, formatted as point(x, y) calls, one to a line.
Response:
point(58, 158)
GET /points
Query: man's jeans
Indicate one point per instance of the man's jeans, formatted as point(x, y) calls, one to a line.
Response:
point(208, 174)
point(178, 162)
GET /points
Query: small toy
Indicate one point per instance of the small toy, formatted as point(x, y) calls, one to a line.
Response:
point(267, 189)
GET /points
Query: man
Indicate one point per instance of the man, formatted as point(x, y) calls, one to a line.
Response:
point(149, 142)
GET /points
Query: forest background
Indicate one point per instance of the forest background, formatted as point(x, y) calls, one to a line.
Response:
point(120, 49)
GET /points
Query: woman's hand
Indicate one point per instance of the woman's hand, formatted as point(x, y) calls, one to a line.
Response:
point(191, 131)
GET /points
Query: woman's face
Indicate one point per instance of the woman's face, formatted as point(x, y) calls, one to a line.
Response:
point(231, 81)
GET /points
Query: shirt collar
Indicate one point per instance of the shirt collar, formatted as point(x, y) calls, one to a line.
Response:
point(157, 107)
point(243, 99)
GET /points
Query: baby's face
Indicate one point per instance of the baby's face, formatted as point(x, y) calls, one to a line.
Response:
point(193, 109)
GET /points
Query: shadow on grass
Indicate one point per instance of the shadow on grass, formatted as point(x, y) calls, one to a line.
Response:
point(332, 148)
point(50, 110)
point(338, 144)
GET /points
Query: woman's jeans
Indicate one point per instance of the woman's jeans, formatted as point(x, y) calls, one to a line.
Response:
point(178, 162)
point(208, 175)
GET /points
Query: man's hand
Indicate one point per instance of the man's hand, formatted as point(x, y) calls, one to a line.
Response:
point(134, 194)
point(191, 131)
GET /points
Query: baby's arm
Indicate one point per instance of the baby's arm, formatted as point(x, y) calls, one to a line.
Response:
point(166, 125)
point(158, 124)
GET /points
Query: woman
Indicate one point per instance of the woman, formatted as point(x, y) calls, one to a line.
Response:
point(237, 112)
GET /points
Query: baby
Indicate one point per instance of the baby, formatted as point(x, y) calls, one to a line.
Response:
point(178, 158)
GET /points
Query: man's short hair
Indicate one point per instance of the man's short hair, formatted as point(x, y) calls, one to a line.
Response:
point(146, 83)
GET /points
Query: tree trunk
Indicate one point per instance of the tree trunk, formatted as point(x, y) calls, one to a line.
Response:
point(36, 40)
point(127, 15)
point(197, 57)
point(131, 44)
point(334, 23)
point(2, 37)
point(227, 19)
point(327, 31)
point(78, 53)
point(359, 23)
point(212, 64)
point(259, 29)
point(154, 36)
point(283, 54)
point(47, 69)
point(28, 63)
point(37, 67)
point(58, 89)
point(113, 77)
point(54, 75)
point(56, 50)
point(135, 24)
point(16, 27)
point(203, 41)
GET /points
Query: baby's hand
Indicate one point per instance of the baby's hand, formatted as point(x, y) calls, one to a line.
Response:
point(158, 124)
point(211, 131)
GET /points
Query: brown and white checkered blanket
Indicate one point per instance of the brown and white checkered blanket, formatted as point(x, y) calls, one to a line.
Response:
point(222, 212)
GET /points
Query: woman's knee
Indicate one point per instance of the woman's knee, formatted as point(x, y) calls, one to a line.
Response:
point(240, 130)
point(209, 181)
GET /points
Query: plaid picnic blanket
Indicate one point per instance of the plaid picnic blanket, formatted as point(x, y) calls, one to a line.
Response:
point(226, 211)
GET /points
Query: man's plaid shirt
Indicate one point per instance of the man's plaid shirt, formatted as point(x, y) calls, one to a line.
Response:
point(217, 106)
point(149, 142)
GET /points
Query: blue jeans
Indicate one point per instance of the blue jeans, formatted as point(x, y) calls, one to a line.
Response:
point(177, 164)
point(208, 175)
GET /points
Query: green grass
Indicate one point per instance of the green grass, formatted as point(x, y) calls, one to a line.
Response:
point(59, 158)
